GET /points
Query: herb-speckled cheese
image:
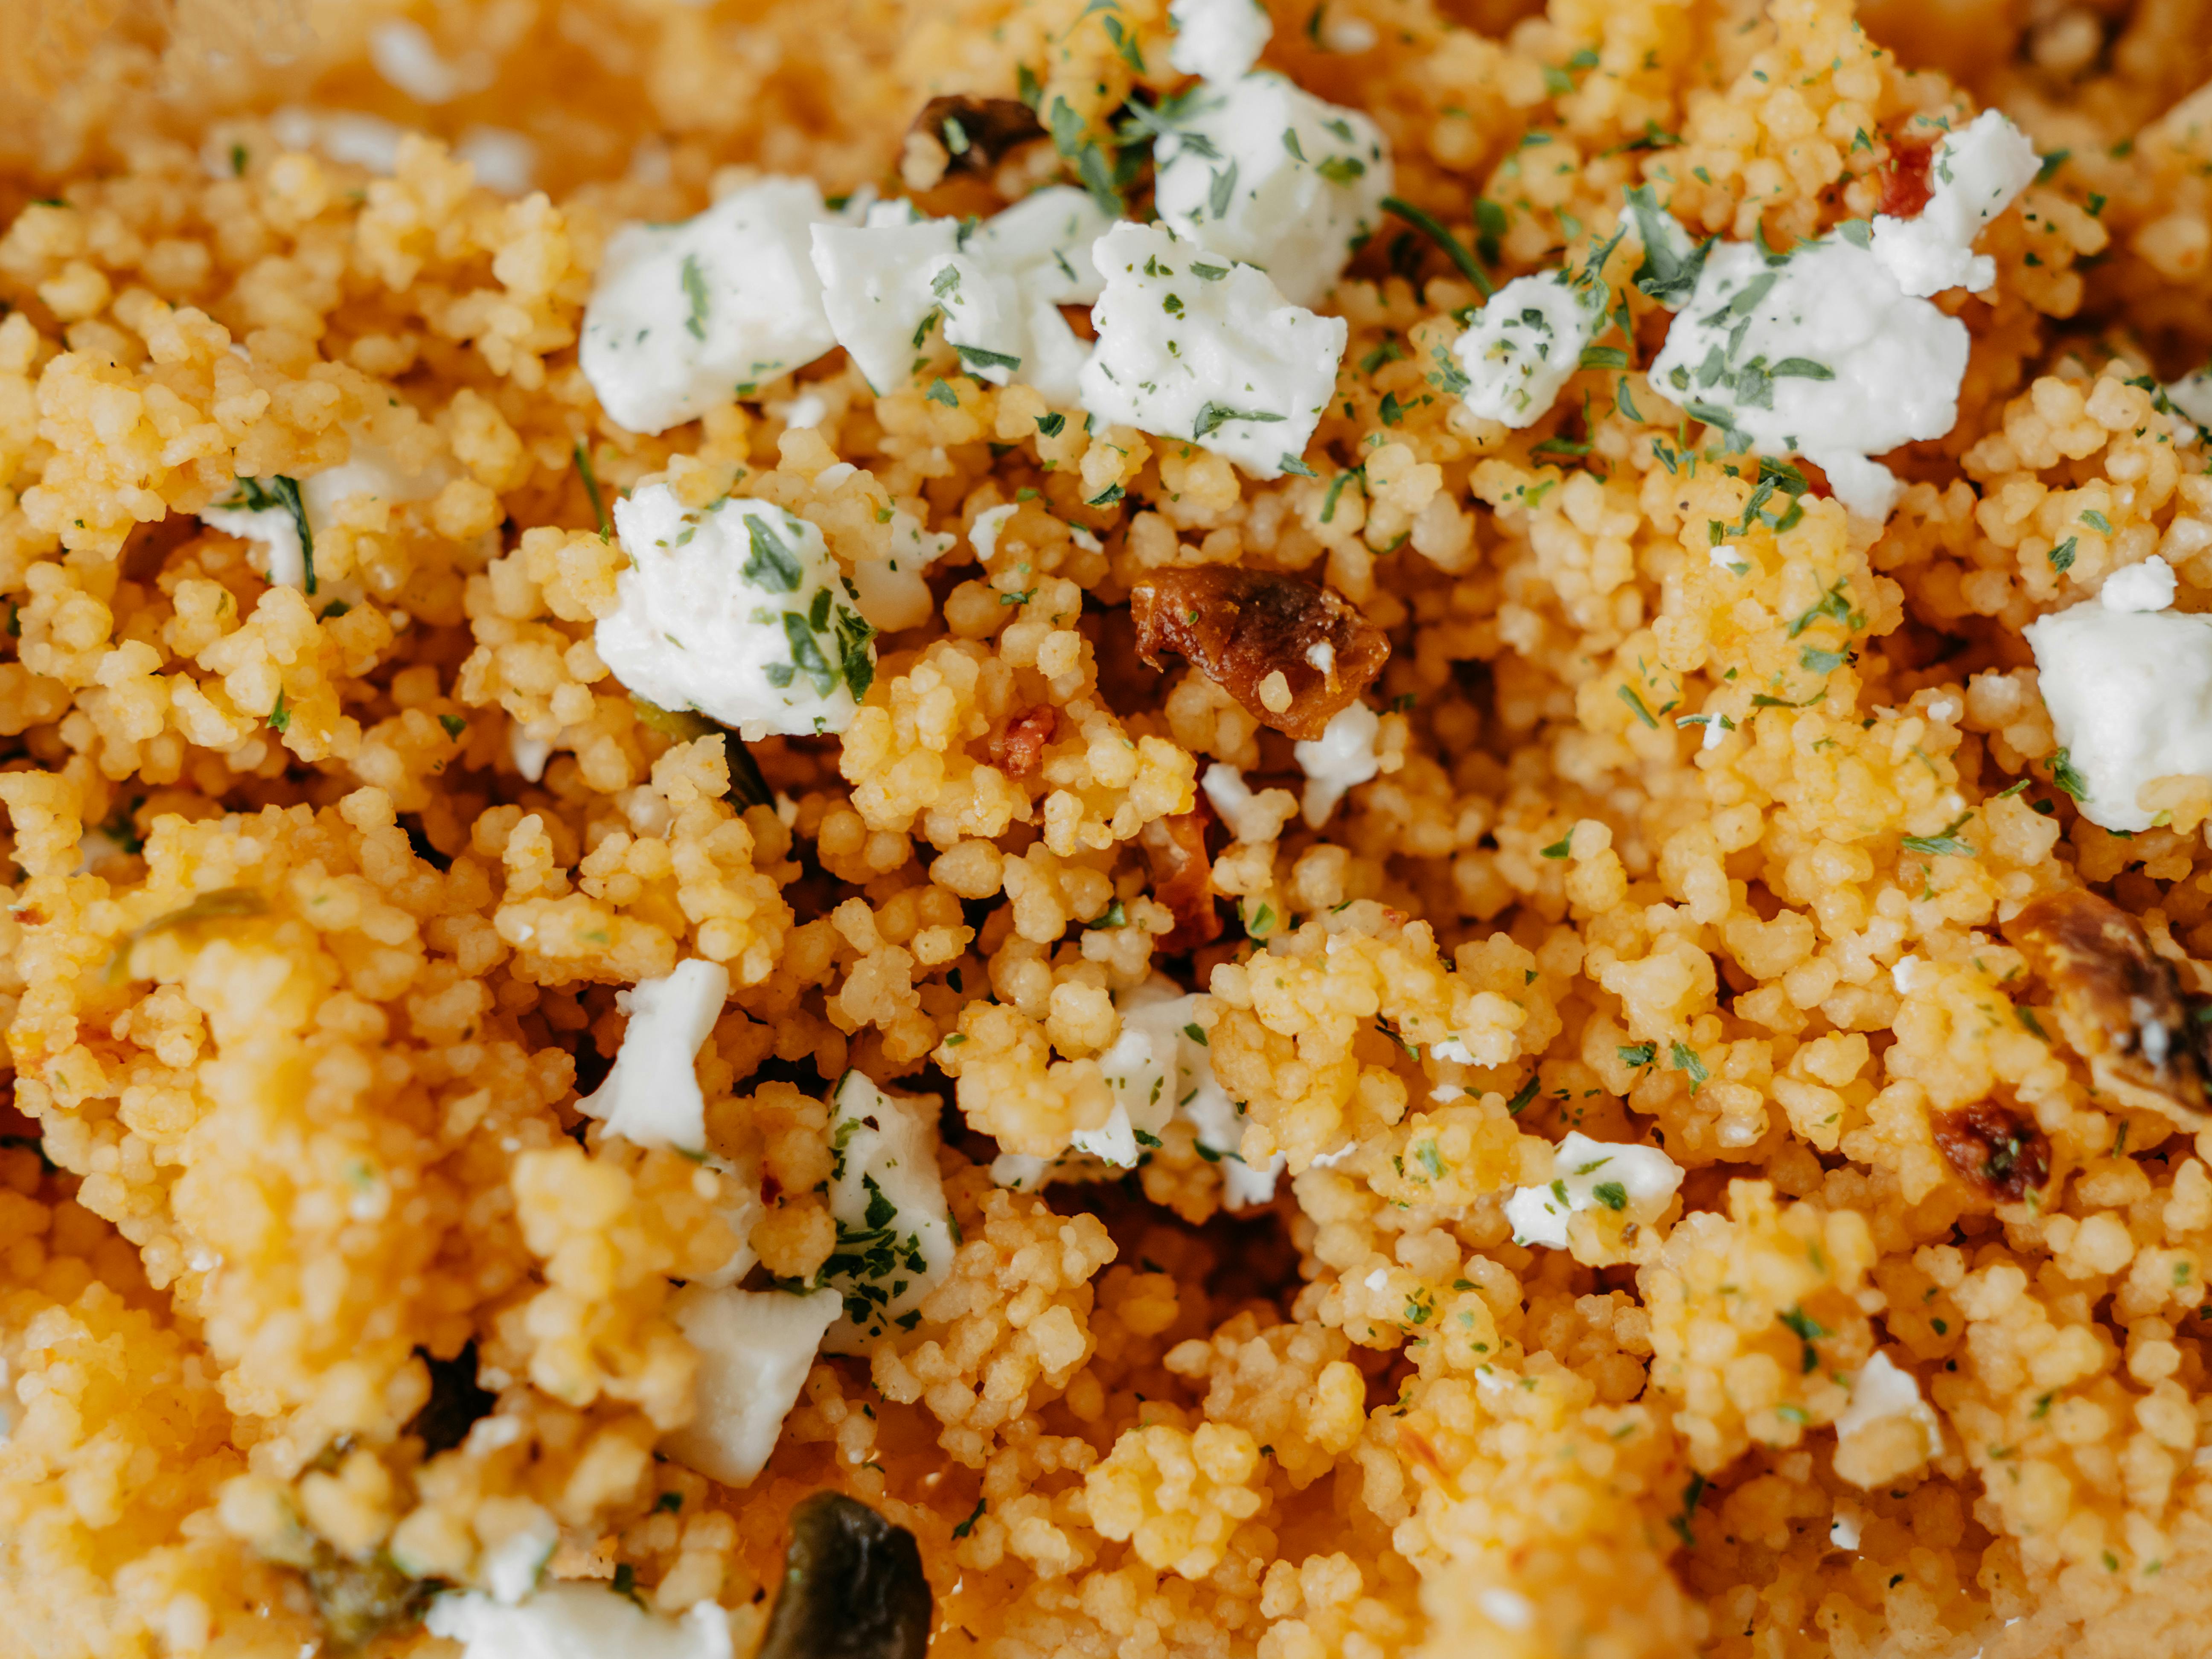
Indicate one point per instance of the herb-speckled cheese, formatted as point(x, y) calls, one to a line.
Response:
point(1977, 172)
point(1220, 40)
point(737, 610)
point(2192, 395)
point(1637, 1183)
point(895, 1240)
point(1192, 345)
point(687, 316)
point(1261, 171)
point(577, 1621)
point(1526, 342)
point(1816, 352)
point(270, 511)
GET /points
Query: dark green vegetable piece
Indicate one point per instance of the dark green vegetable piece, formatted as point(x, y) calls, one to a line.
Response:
point(359, 1601)
point(853, 1587)
point(747, 787)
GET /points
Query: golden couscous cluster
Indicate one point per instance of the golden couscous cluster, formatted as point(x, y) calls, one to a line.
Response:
point(1534, 1030)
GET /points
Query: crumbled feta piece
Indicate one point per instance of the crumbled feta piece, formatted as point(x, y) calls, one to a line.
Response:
point(1819, 353)
point(1255, 820)
point(893, 1233)
point(1525, 344)
point(1168, 1018)
point(505, 161)
point(261, 511)
point(511, 1569)
point(1883, 1391)
point(1342, 757)
point(737, 610)
point(1843, 1531)
point(878, 290)
point(983, 534)
point(1508, 1609)
point(368, 142)
point(1343, 31)
point(403, 53)
point(755, 1350)
point(1977, 172)
point(2192, 395)
point(2139, 587)
point(1220, 40)
point(1636, 1183)
point(891, 592)
point(529, 754)
point(576, 1621)
point(2129, 692)
point(1192, 347)
point(650, 1097)
point(688, 316)
point(1262, 171)
point(740, 1207)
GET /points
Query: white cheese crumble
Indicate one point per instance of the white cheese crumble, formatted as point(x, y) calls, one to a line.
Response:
point(403, 53)
point(1976, 171)
point(2139, 587)
point(1259, 170)
point(504, 160)
point(511, 1569)
point(1253, 819)
point(1816, 352)
point(576, 1621)
point(1883, 1390)
point(893, 1233)
point(1220, 40)
point(755, 1350)
point(1525, 344)
point(2192, 395)
point(1636, 1183)
point(2129, 692)
point(737, 610)
point(1194, 346)
point(651, 1097)
point(1342, 757)
point(1508, 1609)
point(1182, 1062)
point(368, 142)
point(529, 754)
point(1843, 1531)
point(688, 316)
point(260, 509)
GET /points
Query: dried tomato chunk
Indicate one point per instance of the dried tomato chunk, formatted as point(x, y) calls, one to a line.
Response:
point(1182, 879)
point(1238, 626)
point(2118, 1002)
point(1904, 187)
point(1994, 1148)
point(977, 133)
point(1015, 749)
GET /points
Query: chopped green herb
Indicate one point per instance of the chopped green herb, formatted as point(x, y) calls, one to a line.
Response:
point(1453, 248)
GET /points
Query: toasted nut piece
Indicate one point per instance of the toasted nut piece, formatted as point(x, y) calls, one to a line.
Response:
point(1994, 1148)
point(1241, 626)
point(2118, 1002)
point(976, 133)
point(1182, 879)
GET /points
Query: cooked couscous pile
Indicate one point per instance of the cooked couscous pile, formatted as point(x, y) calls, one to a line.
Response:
point(1514, 960)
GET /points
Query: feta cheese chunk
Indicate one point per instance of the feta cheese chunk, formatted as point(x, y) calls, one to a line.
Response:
point(2146, 587)
point(512, 1568)
point(991, 291)
point(1818, 353)
point(1978, 171)
point(1882, 1392)
point(270, 511)
point(1190, 346)
point(651, 1097)
point(582, 1620)
point(737, 610)
point(1525, 344)
point(1179, 1082)
point(1635, 1182)
point(684, 317)
point(2192, 395)
point(893, 1233)
point(1220, 40)
point(755, 1350)
point(1253, 819)
point(1262, 171)
point(1341, 758)
point(2129, 692)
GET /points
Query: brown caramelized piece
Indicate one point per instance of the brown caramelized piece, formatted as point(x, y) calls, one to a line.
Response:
point(1182, 879)
point(977, 133)
point(853, 1587)
point(1015, 750)
point(2118, 1002)
point(1904, 187)
point(1238, 626)
point(1994, 1148)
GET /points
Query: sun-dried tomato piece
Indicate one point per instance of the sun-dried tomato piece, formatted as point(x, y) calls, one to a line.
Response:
point(2118, 1002)
point(1994, 1148)
point(1239, 626)
point(1182, 879)
point(977, 133)
point(1015, 750)
point(1904, 186)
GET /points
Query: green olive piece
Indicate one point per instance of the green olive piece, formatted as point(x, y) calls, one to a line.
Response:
point(853, 1587)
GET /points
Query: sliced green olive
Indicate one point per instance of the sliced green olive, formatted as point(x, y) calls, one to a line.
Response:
point(747, 787)
point(853, 1587)
point(220, 904)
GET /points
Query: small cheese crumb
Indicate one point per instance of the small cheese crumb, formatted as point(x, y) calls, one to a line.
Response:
point(1843, 1531)
point(2129, 692)
point(576, 1621)
point(257, 513)
point(1220, 40)
point(893, 1233)
point(737, 610)
point(403, 53)
point(651, 1097)
point(755, 1350)
point(1342, 757)
point(2192, 395)
point(1255, 820)
point(892, 592)
point(1192, 347)
point(1508, 1609)
point(511, 1569)
point(1977, 172)
point(504, 160)
point(529, 754)
point(683, 318)
point(1257, 169)
point(1525, 344)
point(1635, 1182)
point(1881, 1391)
